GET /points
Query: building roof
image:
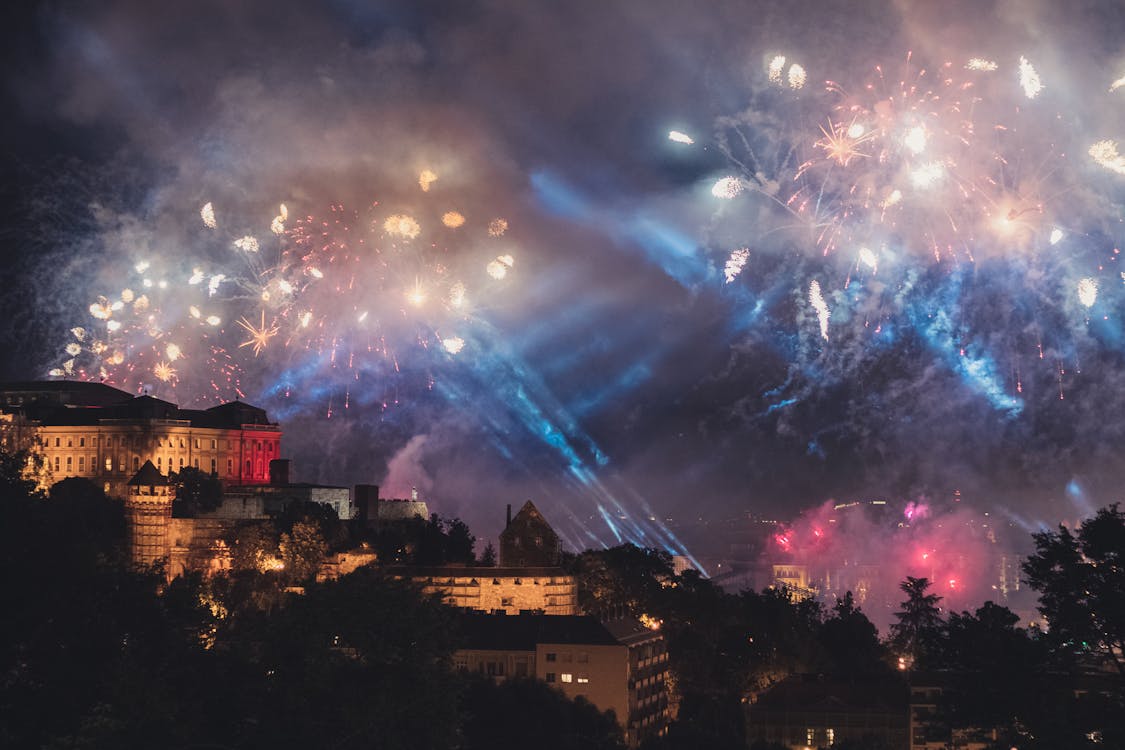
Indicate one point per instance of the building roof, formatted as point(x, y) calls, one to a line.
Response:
point(818, 694)
point(148, 475)
point(525, 632)
point(76, 403)
point(65, 392)
point(483, 572)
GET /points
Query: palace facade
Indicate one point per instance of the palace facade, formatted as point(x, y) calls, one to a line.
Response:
point(100, 433)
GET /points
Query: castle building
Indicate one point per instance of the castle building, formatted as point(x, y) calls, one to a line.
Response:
point(498, 591)
point(528, 540)
point(100, 433)
point(528, 580)
point(618, 665)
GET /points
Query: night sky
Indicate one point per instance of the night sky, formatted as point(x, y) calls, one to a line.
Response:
point(973, 339)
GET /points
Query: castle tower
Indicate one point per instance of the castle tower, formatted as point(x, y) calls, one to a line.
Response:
point(148, 511)
point(528, 541)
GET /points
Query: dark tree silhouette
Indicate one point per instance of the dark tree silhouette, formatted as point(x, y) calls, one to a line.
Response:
point(521, 713)
point(1081, 584)
point(487, 557)
point(916, 635)
point(196, 492)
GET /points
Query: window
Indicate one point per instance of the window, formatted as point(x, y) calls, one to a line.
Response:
point(109, 442)
point(181, 462)
point(58, 442)
point(159, 459)
point(831, 736)
point(121, 463)
point(197, 444)
point(81, 464)
point(214, 465)
point(214, 444)
point(182, 443)
point(136, 462)
point(583, 679)
point(566, 677)
point(551, 657)
point(248, 468)
point(230, 466)
point(81, 442)
point(70, 442)
point(69, 464)
point(810, 736)
point(108, 465)
point(56, 463)
point(550, 677)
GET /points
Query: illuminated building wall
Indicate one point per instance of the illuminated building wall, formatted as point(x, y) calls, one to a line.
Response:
point(549, 591)
point(93, 431)
point(618, 665)
point(148, 512)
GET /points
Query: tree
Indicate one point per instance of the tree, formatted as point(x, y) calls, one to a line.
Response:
point(917, 634)
point(1081, 584)
point(626, 578)
point(302, 551)
point(851, 642)
point(996, 680)
point(522, 713)
point(487, 557)
point(196, 492)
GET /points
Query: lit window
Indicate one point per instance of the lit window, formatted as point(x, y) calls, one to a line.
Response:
point(831, 736)
point(583, 679)
point(810, 736)
point(566, 677)
point(108, 467)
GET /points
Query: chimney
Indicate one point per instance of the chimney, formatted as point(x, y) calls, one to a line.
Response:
point(509, 521)
point(366, 498)
point(279, 472)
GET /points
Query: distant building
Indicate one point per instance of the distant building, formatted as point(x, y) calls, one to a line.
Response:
point(512, 591)
point(250, 501)
point(808, 711)
point(373, 510)
point(100, 433)
point(528, 540)
point(618, 665)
